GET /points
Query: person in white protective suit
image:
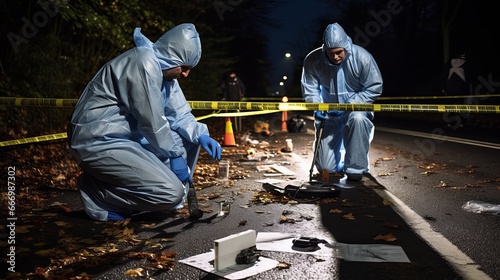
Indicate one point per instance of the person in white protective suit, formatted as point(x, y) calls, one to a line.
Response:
point(132, 131)
point(342, 72)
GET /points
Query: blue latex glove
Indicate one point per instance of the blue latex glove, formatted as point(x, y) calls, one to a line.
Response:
point(112, 216)
point(212, 147)
point(319, 115)
point(335, 113)
point(179, 167)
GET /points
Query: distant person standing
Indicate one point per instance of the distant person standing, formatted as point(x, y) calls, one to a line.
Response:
point(456, 80)
point(233, 90)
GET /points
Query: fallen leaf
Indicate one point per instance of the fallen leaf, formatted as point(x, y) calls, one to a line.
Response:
point(61, 223)
point(388, 237)
point(134, 272)
point(60, 177)
point(22, 229)
point(386, 202)
point(442, 185)
point(390, 225)
point(328, 200)
point(283, 265)
point(128, 231)
point(349, 216)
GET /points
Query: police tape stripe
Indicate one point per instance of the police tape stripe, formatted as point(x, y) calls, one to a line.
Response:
point(289, 106)
point(64, 135)
point(387, 97)
point(270, 106)
point(38, 102)
point(36, 139)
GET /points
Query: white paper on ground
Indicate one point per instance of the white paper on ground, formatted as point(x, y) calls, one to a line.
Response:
point(238, 271)
point(282, 242)
point(270, 181)
point(371, 252)
point(283, 170)
point(272, 174)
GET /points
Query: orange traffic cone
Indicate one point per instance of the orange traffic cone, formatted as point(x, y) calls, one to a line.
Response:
point(229, 136)
point(284, 118)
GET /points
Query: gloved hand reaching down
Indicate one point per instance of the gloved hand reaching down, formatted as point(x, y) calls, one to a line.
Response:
point(179, 167)
point(211, 146)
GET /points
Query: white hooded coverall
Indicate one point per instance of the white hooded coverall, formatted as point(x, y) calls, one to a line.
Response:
point(346, 136)
point(129, 121)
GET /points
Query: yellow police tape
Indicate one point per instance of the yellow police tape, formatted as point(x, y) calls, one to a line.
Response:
point(64, 135)
point(36, 139)
point(380, 98)
point(38, 102)
point(252, 108)
point(281, 106)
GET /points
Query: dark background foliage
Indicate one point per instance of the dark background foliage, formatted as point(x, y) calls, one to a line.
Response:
point(52, 48)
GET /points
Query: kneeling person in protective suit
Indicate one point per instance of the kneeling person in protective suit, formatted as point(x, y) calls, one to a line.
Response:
point(342, 72)
point(133, 133)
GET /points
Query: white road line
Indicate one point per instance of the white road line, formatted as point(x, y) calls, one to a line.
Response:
point(461, 262)
point(440, 137)
point(464, 265)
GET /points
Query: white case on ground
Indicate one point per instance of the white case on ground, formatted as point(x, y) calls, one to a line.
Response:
point(227, 248)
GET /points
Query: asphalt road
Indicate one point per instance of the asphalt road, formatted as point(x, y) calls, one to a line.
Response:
point(412, 202)
point(436, 175)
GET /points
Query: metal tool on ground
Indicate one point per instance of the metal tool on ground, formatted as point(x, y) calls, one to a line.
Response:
point(194, 211)
point(316, 148)
point(311, 190)
point(247, 256)
point(305, 242)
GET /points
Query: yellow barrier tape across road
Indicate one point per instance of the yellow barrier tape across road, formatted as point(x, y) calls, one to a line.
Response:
point(386, 97)
point(429, 108)
point(267, 106)
point(38, 102)
point(36, 139)
point(64, 135)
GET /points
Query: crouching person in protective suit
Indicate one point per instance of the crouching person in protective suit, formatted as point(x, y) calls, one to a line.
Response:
point(133, 133)
point(342, 72)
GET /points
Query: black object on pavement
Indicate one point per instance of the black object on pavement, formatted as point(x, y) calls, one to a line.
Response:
point(309, 190)
point(305, 242)
point(247, 256)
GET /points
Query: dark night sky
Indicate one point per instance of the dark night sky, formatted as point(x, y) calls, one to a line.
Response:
point(405, 67)
point(296, 33)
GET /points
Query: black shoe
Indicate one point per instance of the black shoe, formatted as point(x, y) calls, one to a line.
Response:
point(354, 177)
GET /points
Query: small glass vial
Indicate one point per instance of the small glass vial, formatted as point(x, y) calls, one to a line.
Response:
point(224, 208)
point(289, 145)
point(224, 169)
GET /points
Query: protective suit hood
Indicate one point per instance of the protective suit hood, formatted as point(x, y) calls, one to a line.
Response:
point(335, 37)
point(179, 46)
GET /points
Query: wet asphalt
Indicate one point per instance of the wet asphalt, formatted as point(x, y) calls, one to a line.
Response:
point(358, 215)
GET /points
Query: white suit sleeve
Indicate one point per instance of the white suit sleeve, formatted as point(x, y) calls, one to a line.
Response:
point(179, 115)
point(370, 80)
point(146, 105)
point(311, 90)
